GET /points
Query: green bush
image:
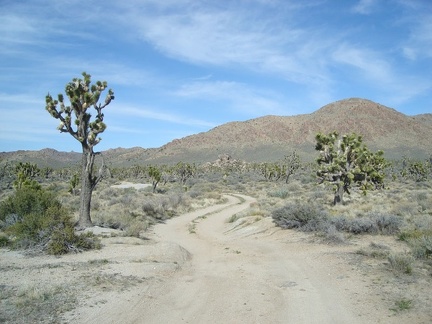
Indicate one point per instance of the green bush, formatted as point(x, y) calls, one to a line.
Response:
point(64, 240)
point(26, 201)
point(4, 240)
point(34, 218)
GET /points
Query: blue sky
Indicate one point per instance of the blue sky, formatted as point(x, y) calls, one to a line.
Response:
point(181, 67)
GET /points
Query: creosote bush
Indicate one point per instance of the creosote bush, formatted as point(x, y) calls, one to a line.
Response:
point(34, 218)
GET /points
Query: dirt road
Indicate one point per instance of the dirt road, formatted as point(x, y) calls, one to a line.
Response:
point(245, 273)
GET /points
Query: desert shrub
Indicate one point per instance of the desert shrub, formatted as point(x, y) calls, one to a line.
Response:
point(371, 224)
point(26, 201)
point(421, 247)
point(4, 240)
point(362, 225)
point(405, 208)
point(332, 235)
point(355, 225)
point(377, 251)
point(401, 262)
point(387, 224)
point(294, 187)
point(421, 196)
point(63, 240)
point(319, 194)
point(131, 223)
point(416, 233)
point(233, 218)
point(165, 206)
point(280, 193)
point(136, 227)
point(194, 193)
point(151, 208)
point(307, 217)
point(34, 218)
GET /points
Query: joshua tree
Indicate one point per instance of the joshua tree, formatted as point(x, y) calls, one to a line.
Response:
point(155, 175)
point(184, 171)
point(291, 163)
point(346, 162)
point(26, 173)
point(75, 119)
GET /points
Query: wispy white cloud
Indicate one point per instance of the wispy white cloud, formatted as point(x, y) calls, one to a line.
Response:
point(368, 62)
point(225, 36)
point(380, 73)
point(22, 121)
point(364, 7)
point(156, 114)
point(128, 130)
point(240, 97)
point(419, 44)
point(7, 98)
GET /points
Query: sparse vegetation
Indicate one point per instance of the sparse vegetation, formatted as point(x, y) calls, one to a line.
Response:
point(402, 305)
point(42, 217)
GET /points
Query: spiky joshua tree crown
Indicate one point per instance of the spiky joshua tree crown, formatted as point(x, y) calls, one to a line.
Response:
point(75, 118)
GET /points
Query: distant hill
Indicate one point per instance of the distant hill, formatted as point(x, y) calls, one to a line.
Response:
point(269, 138)
point(43, 158)
point(272, 137)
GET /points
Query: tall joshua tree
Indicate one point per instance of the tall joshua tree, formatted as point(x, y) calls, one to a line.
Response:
point(76, 120)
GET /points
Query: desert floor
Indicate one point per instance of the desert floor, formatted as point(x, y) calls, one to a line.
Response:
point(198, 268)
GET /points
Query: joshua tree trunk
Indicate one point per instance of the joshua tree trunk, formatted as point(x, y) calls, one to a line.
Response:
point(338, 198)
point(88, 183)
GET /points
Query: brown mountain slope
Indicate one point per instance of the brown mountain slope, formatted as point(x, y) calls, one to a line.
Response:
point(272, 137)
point(424, 118)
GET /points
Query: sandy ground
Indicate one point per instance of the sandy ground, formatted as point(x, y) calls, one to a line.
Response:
point(126, 184)
point(198, 268)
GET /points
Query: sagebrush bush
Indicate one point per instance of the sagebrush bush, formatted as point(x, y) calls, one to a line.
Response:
point(372, 223)
point(355, 225)
point(386, 223)
point(307, 217)
point(332, 235)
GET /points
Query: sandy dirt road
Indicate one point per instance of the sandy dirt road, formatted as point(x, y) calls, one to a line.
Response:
point(236, 277)
point(245, 274)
